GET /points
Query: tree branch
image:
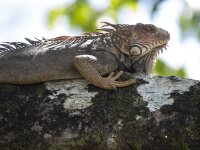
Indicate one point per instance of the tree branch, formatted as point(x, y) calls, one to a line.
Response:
point(159, 112)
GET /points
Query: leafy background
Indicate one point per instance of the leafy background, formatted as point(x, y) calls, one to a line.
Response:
point(22, 18)
point(81, 14)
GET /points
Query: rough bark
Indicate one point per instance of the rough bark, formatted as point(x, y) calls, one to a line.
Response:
point(157, 113)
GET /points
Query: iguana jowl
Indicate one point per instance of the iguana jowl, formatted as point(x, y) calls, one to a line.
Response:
point(121, 47)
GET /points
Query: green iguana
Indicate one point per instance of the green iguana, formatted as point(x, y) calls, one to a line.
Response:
point(121, 47)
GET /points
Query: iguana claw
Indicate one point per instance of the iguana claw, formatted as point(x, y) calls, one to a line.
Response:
point(111, 83)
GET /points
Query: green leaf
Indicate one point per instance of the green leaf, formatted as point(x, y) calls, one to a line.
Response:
point(162, 69)
point(116, 4)
point(54, 15)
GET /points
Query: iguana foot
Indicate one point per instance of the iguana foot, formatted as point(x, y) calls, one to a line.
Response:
point(85, 65)
point(111, 83)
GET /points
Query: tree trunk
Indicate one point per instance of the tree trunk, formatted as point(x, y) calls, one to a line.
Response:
point(157, 113)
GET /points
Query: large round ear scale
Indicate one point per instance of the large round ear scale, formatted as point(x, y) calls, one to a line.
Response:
point(135, 50)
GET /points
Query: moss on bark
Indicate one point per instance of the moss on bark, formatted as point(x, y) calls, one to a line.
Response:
point(117, 119)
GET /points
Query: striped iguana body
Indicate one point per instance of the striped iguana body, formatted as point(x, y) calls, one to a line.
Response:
point(121, 47)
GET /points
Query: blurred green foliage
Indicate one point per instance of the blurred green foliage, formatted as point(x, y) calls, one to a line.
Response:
point(81, 14)
point(162, 69)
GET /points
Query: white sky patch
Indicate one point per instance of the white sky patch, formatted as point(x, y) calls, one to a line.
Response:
point(19, 19)
point(99, 5)
point(128, 16)
point(194, 4)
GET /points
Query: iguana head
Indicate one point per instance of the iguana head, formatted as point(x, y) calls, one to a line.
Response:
point(141, 42)
point(146, 42)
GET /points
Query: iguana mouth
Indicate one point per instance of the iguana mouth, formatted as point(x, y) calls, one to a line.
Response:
point(157, 50)
point(154, 52)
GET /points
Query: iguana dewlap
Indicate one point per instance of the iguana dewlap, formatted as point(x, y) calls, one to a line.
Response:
point(131, 48)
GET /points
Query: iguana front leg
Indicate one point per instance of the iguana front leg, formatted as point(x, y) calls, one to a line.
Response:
point(85, 64)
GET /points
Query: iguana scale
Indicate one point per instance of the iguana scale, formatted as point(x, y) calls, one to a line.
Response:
point(120, 47)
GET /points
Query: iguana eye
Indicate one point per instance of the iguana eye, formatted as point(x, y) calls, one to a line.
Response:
point(150, 29)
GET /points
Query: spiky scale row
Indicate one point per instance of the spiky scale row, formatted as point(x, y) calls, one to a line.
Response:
point(72, 42)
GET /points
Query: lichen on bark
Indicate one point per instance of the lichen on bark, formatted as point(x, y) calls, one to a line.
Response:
point(36, 116)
